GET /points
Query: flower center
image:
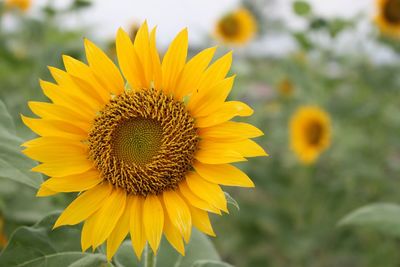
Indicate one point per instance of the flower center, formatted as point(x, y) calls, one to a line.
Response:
point(137, 140)
point(314, 133)
point(143, 142)
point(392, 11)
point(229, 26)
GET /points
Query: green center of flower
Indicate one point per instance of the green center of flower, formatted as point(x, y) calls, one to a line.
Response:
point(314, 133)
point(137, 140)
point(229, 26)
point(392, 11)
point(143, 142)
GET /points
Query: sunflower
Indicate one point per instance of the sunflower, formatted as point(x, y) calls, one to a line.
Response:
point(310, 133)
point(147, 155)
point(237, 27)
point(3, 237)
point(22, 5)
point(286, 87)
point(388, 17)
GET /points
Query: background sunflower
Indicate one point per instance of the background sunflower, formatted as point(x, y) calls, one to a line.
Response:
point(388, 17)
point(310, 133)
point(237, 27)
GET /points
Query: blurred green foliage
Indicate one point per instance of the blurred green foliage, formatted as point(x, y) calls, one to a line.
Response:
point(291, 217)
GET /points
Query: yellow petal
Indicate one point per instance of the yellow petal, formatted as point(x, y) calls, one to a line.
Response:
point(190, 77)
point(155, 59)
point(44, 192)
point(83, 83)
point(57, 112)
point(201, 221)
point(105, 70)
point(74, 183)
point(246, 148)
point(173, 236)
point(224, 174)
point(178, 213)
point(153, 220)
point(213, 74)
point(56, 94)
point(68, 87)
point(47, 141)
point(108, 216)
point(42, 141)
point(120, 231)
point(45, 127)
point(87, 232)
point(61, 168)
point(84, 206)
point(68, 151)
point(225, 112)
point(212, 99)
point(195, 201)
point(210, 155)
point(138, 236)
point(129, 61)
point(207, 191)
point(142, 48)
point(174, 61)
point(230, 131)
point(80, 71)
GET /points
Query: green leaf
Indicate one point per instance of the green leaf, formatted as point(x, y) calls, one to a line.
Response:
point(39, 245)
point(302, 8)
point(125, 256)
point(90, 260)
point(78, 4)
point(231, 200)
point(303, 41)
point(208, 263)
point(199, 248)
point(13, 164)
point(318, 24)
point(383, 217)
point(67, 259)
point(336, 26)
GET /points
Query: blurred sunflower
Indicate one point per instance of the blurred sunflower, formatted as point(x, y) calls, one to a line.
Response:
point(237, 27)
point(286, 87)
point(388, 17)
point(3, 238)
point(22, 5)
point(310, 133)
point(148, 156)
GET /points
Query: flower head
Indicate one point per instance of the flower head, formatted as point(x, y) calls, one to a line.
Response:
point(237, 27)
point(388, 17)
point(286, 87)
point(22, 5)
point(148, 155)
point(310, 133)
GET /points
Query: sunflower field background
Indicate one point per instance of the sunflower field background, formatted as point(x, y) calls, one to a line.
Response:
point(338, 207)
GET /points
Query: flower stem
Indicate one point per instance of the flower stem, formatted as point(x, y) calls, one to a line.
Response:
point(150, 259)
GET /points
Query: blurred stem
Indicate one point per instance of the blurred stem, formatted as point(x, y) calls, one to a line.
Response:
point(150, 259)
point(179, 260)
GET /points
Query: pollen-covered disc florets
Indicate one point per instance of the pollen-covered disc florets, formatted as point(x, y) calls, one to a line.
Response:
point(143, 142)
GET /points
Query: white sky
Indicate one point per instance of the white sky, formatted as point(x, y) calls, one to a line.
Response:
point(198, 15)
point(106, 16)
